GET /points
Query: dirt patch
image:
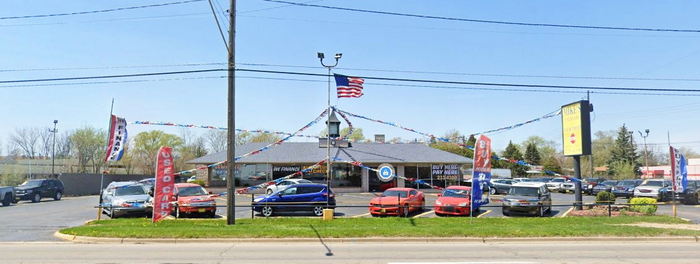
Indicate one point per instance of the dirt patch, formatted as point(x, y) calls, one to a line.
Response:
point(602, 211)
point(672, 226)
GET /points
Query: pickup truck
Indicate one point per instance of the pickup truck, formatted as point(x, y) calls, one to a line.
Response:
point(7, 195)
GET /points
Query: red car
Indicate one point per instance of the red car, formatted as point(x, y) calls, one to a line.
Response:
point(194, 199)
point(454, 200)
point(398, 202)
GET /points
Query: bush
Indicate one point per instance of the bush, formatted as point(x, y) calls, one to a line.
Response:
point(605, 198)
point(200, 182)
point(648, 208)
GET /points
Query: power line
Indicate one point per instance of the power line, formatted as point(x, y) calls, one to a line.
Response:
point(513, 23)
point(100, 11)
point(111, 76)
point(218, 25)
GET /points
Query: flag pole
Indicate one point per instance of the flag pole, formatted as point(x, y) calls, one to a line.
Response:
point(329, 163)
point(673, 187)
point(102, 174)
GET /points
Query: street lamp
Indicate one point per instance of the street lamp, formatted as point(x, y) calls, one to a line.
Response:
point(53, 151)
point(646, 154)
point(337, 57)
point(333, 126)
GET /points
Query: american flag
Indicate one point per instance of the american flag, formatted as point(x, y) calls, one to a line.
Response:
point(348, 87)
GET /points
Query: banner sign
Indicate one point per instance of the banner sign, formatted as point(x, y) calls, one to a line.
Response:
point(443, 172)
point(679, 171)
point(163, 190)
point(481, 174)
point(576, 128)
point(117, 139)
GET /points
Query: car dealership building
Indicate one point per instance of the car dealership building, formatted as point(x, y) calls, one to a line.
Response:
point(418, 161)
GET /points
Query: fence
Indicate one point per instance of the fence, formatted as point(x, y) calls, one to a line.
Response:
point(89, 184)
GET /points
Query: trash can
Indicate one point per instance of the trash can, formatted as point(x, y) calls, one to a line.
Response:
point(328, 214)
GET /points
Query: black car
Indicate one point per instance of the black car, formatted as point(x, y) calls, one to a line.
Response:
point(691, 194)
point(625, 188)
point(588, 184)
point(34, 190)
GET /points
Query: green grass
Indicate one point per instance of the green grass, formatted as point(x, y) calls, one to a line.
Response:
point(381, 227)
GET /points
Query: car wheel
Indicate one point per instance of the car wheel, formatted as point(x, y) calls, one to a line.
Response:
point(505, 213)
point(541, 212)
point(318, 211)
point(405, 211)
point(58, 196)
point(36, 198)
point(492, 191)
point(269, 191)
point(266, 211)
point(211, 214)
point(8, 200)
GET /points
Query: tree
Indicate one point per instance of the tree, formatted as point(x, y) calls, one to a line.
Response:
point(89, 148)
point(623, 170)
point(552, 164)
point(546, 148)
point(147, 144)
point(624, 151)
point(216, 140)
point(45, 141)
point(532, 156)
point(356, 135)
point(395, 140)
point(264, 138)
point(26, 141)
point(513, 153)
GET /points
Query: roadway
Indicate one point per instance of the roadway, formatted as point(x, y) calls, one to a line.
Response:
point(526, 252)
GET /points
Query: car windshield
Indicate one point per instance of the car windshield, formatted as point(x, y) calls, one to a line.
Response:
point(626, 183)
point(395, 193)
point(557, 180)
point(458, 193)
point(129, 190)
point(654, 183)
point(31, 183)
point(191, 191)
point(523, 191)
point(609, 183)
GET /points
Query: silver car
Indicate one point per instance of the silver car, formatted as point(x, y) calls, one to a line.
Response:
point(284, 184)
point(122, 198)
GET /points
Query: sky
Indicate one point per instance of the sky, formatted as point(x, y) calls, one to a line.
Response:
point(155, 39)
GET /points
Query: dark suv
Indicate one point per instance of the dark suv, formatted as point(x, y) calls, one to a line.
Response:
point(34, 190)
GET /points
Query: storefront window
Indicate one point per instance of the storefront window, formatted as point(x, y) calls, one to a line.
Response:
point(246, 174)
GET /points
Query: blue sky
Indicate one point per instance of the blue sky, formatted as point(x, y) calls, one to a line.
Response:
point(292, 35)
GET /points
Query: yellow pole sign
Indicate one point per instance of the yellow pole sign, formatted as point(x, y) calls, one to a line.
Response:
point(576, 128)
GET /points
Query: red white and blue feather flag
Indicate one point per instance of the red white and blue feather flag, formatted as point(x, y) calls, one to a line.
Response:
point(348, 87)
point(117, 139)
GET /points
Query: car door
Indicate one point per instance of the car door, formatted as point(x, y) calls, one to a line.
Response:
point(44, 189)
point(546, 197)
point(414, 200)
point(287, 197)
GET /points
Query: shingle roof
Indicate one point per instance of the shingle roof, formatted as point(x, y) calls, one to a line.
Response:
point(310, 152)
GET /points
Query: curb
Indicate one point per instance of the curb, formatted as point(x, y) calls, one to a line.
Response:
point(116, 240)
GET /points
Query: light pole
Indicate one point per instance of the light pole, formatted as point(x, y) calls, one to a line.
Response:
point(53, 150)
point(337, 57)
point(646, 154)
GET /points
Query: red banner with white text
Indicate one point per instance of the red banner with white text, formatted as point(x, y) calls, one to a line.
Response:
point(165, 184)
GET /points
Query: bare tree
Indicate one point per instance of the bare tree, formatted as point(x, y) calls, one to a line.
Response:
point(45, 141)
point(216, 140)
point(63, 145)
point(26, 140)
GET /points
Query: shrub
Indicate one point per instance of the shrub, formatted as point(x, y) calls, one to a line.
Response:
point(605, 198)
point(200, 182)
point(643, 205)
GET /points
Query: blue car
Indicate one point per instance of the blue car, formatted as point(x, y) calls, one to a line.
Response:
point(625, 188)
point(299, 197)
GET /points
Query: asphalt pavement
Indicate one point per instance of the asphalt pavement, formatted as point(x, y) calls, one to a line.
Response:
point(27, 221)
point(523, 252)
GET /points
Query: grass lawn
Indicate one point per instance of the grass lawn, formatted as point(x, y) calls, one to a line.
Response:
point(381, 227)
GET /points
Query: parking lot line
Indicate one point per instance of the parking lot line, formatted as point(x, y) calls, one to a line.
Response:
point(567, 212)
point(360, 215)
point(423, 214)
point(484, 213)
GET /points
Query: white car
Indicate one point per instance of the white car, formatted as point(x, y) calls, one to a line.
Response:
point(556, 184)
point(650, 188)
point(283, 184)
point(192, 179)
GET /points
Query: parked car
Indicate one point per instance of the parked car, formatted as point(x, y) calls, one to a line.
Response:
point(35, 190)
point(531, 198)
point(570, 186)
point(7, 195)
point(192, 179)
point(588, 184)
point(283, 184)
point(194, 199)
point(605, 186)
point(125, 198)
point(625, 188)
point(500, 186)
point(691, 194)
point(650, 188)
point(148, 183)
point(515, 180)
point(398, 202)
point(542, 179)
point(454, 200)
point(299, 197)
point(555, 185)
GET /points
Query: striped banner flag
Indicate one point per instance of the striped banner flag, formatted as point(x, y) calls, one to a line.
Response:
point(348, 87)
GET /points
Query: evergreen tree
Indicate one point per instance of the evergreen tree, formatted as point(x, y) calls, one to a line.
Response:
point(623, 153)
point(513, 153)
point(532, 156)
point(552, 164)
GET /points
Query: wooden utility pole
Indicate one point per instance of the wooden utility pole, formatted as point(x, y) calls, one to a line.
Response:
point(231, 144)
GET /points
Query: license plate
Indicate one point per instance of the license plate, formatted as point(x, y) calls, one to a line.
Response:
point(383, 210)
point(137, 204)
point(202, 210)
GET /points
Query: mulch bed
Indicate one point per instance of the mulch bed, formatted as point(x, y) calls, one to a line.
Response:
point(602, 211)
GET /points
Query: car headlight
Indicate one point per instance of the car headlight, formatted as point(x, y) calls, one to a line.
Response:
point(438, 202)
point(185, 204)
point(590, 186)
point(258, 199)
point(463, 204)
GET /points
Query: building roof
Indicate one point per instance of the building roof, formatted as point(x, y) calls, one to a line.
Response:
point(310, 152)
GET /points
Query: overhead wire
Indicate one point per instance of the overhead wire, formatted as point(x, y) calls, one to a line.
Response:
point(472, 20)
point(218, 25)
point(100, 11)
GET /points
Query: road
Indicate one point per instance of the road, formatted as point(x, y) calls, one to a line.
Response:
point(362, 252)
point(28, 221)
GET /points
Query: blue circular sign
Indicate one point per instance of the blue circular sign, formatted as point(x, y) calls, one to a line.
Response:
point(386, 172)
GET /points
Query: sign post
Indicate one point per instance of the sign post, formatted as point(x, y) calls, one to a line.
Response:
point(576, 138)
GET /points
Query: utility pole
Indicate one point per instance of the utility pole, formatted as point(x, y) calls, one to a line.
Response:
point(646, 155)
point(231, 144)
point(53, 150)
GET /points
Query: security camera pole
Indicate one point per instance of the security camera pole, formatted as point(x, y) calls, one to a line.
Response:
point(230, 148)
point(320, 56)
